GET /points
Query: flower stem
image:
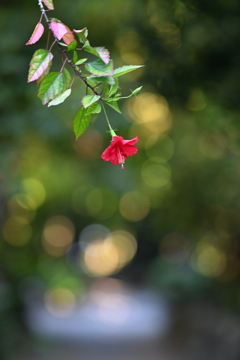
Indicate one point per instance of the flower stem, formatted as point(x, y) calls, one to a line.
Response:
point(112, 132)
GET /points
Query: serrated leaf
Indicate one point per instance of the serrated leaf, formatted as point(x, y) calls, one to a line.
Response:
point(87, 47)
point(94, 109)
point(37, 34)
point(81, 61)
point(100, 52)
point(81, 121)
point(136, 91)
point(40, 79)
point(61, 98)
point(114, 88)
point(53, 85)
point(82, 34)
point(125, 69)
point(58, 28)
point(66, 78)
point(102, 79)
point(99, 68)
point(75, 56)
point(72, 46)
point(103, 54)
point(68, 38)
point(89, 100)
point(39, 63)
point(113, 104)
point(48, 4)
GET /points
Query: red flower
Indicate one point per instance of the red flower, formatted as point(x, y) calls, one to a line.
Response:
point(119, 150)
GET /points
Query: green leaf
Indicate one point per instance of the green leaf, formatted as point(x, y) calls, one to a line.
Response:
point(61, 98)
point(39, 63)
point(82, 34)
point(100, 52)
point(62, 43)
point(103, 54)
point(81, 121)
point(136, 91)
point(81, 61)
point(75, 56)
point(98, 67)
point(113, 104)
point(53, 85)
point(119, 97)
point(94, 109)
point(113, 88)
point(48, 4)
point(40, 79)
point(72, 46)
point(125, 69)
point(102, 79)
point(89, 100)
point(66, 78)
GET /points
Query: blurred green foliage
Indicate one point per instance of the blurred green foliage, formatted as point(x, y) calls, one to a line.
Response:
point(179, 196)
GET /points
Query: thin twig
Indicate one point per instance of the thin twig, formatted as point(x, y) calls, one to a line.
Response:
point(54, 42)
point(48, 38)
point(64, 62)
point(74, 77)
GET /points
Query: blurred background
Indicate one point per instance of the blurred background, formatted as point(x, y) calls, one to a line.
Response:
point(100, 263)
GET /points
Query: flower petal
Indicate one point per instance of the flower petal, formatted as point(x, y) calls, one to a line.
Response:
point(130, 142)
point(119, 150)
point(129, 150)
point(116, 140)
point(110, 154)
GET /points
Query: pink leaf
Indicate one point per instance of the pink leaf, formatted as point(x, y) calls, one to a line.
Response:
point(39, 63)
point(48, 4)
point(68, 37)
point(59, 29)
point(36, 35)
point(103, 54)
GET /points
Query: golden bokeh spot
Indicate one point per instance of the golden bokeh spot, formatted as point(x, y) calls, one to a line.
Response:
point(17, 231)
point(208, 257)
point(100, 259)
point(126, 245)
point(134, 206)
point(21, 205)
point(150, 110)
point(35, 190)
point(196, 100)
point(103, 257)
point(60, 302)
point(211, 261)
point(154, 175)
point(58, 235)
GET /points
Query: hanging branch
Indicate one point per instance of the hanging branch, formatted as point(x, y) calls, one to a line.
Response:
point(55, 87)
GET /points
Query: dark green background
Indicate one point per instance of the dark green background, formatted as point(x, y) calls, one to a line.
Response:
point(191, 54)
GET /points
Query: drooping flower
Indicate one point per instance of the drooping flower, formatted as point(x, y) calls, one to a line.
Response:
point(119, 150)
